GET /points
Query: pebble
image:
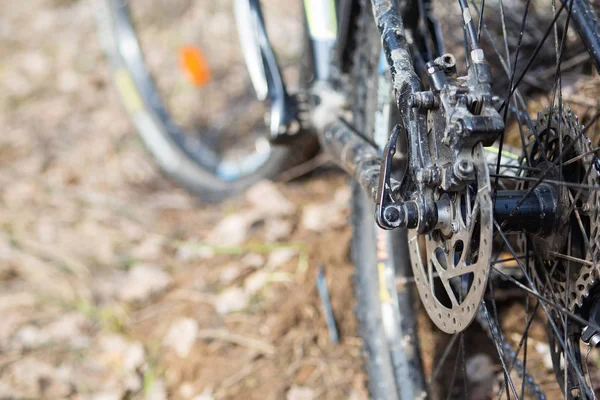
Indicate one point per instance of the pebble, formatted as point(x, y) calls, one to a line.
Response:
point(480, 368)
point(300, 393)
point(253, 260)
point(320, 217)
point(205, 395)
point(181, 336)
point(277, 229)
point(157, 391)
point(255, 282)
point(266, 198)
point(230, 231)
point(142, 282)
point(279, 257)
point(228, 274)
point(231, 300)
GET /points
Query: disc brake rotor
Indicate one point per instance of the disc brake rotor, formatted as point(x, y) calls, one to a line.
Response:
point(451, 265)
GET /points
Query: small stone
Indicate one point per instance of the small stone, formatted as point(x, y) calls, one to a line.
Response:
point(480, 368)
point(231, 300)
point(30, 337)
point(116, 351)
point(205, 395)
point(277, 229)
point(265, 197)
point(34, 374)
point(544, 350)
point(330, 215)
point(342, 197)
point(142, 282)
point(188, 252)
point(109, 395)
point(35, 63)
point(157, 391)
point(186, 390)
point(300, 393)
point(7, 391)
point(253, 260)
point(67, 327)
point(133, 382)
point(228, 274)
point(255, 282)
point(68, 81)
point(231, 231)
point(322, 217)
point(280, 256)
point(149, 249)
point(181, 336)
point(357, 395)
point(134, 356)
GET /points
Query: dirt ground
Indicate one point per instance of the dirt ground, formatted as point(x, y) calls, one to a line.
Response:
point(116, 284)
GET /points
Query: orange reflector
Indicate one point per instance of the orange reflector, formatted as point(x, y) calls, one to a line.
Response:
point(192, 61)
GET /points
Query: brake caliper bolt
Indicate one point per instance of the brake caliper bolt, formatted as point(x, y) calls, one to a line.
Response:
point(463, 169)
point(428, 176)
point(426, 100)
point(454, 226)
point(391, 214)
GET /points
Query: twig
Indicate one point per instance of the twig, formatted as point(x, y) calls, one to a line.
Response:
point(304, 168)
point(244, 341)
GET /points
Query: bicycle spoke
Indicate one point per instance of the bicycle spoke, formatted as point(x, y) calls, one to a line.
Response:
point(480, 20)
point(581, 156)
point(571, 258)
point(464, 365)
point(454, 370)
point(592, 122)
point(534, 55)
point(496, 339)
point(529, 321)
point(526, 331)
point(551, 181)
point(543, 299)
point(442, 360)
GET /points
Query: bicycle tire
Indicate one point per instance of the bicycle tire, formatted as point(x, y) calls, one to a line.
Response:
point(183, 158)
point(392, 364)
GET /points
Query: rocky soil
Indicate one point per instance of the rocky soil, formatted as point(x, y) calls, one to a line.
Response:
point(115, 283)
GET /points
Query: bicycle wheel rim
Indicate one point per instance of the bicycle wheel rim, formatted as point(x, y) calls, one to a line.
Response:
point(194, 147)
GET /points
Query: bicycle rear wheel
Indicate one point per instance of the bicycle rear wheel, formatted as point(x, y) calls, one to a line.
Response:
point(542, 291)
point(178, 69)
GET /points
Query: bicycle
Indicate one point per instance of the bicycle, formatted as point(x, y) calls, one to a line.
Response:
point(426, 146)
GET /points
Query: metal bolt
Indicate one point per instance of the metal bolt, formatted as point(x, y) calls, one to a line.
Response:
point(457, 129)
point(422, 176)
point(595, 340)
point(463, 169)
point(393, 216)
point(466, 166)
point(426, 100)
point(454, 226)
point(428, 176)
point(446, 61)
